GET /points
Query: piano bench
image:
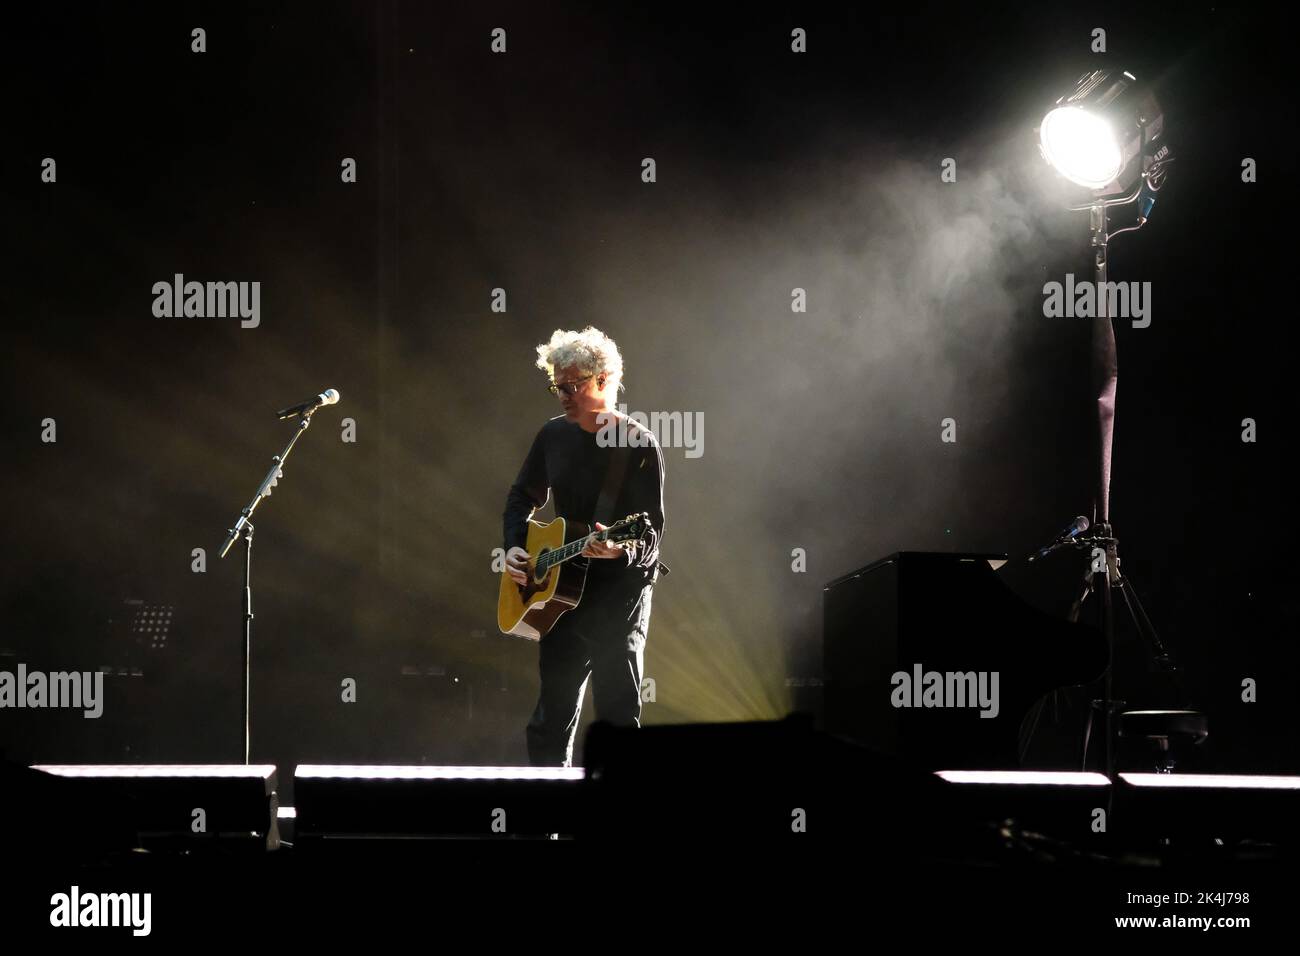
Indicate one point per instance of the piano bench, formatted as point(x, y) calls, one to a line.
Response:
point(1166, 730)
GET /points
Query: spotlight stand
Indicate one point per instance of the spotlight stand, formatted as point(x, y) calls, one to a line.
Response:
point(1122, 123)
point(1104, 576)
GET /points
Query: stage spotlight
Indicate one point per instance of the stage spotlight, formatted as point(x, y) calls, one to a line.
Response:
point(1104, 134)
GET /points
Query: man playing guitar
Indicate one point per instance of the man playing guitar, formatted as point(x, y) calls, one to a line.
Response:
point(603, 638)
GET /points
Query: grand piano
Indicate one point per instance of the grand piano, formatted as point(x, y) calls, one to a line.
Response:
point(911, 644)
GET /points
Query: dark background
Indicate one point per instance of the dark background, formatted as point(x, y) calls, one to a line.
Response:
point(522, 171)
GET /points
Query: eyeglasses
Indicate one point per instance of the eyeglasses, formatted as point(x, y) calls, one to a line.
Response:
point(569, 388)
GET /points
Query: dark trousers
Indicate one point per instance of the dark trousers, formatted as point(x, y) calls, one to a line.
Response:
point(602, 644)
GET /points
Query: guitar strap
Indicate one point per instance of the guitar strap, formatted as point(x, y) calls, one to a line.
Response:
point(609, 495)
point(613, 485)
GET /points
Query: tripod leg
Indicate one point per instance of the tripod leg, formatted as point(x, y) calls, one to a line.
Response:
point(1076, 609)
point(1087, 736)
point(1160, 654)
point(1030, 725)
point(1140, 618)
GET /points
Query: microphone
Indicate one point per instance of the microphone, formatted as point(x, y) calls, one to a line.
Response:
point(1076, 528)
point(328, 397)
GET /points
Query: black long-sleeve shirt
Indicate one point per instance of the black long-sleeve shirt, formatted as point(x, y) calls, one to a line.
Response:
point(569, 463)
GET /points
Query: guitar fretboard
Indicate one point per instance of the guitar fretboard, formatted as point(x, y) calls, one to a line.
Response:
point(559, 555)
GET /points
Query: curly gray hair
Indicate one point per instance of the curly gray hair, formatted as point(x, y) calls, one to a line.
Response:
point(591, 351)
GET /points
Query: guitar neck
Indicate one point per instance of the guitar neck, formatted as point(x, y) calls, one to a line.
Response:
point(569, 551)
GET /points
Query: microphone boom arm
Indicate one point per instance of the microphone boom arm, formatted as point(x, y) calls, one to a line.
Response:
point(264, 490)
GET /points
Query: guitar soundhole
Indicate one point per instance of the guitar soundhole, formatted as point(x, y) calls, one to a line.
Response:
point(540, 581)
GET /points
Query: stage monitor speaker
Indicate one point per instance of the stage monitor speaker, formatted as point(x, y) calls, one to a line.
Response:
point(180, 806)
point(337, 802)
point(752, 782)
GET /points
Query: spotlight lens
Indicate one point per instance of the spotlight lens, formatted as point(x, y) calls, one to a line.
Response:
point(1081, 146)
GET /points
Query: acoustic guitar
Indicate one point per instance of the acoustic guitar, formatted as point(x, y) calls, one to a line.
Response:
point(555, 580)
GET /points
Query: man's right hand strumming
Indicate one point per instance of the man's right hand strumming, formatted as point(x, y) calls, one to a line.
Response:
point(517, 565)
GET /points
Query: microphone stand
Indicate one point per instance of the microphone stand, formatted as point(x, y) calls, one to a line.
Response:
point(244, 526)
